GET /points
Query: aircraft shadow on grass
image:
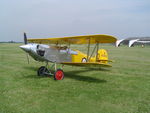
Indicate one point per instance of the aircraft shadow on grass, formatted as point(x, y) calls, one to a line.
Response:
point(74, 75)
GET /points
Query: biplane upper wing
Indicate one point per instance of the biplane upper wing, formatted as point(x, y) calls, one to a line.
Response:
point(76, 39)
point(87, 64)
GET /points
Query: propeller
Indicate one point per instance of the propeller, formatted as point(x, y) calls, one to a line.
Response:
point(26, 42)
point(25, 39)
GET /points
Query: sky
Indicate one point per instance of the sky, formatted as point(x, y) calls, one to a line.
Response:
point(60, 18)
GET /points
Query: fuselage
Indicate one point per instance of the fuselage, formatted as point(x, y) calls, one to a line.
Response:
point(60, 54)
point(42, 52)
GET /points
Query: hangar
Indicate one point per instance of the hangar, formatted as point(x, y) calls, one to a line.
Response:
point(133, 41)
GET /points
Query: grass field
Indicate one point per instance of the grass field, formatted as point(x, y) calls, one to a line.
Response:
point(124, 88)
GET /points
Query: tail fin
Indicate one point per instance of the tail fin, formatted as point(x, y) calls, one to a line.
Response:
point(102, 56)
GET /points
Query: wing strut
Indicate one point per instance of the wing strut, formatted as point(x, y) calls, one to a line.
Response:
point(88, 50)
point(97, 51)
point(93, 51)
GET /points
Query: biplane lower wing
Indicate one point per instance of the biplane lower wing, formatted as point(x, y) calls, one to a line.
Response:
point(87, 64)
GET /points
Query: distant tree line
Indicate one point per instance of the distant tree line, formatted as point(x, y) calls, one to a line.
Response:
point(10, 42)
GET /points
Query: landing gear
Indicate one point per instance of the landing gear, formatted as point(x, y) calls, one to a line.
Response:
point(59, 74)
point(44, 71)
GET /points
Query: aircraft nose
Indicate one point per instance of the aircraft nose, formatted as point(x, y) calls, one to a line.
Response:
point(25, 48)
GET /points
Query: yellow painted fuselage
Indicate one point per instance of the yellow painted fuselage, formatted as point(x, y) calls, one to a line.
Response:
point(102, 57)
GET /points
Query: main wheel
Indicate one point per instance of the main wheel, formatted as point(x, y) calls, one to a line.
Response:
point(42, 71)
point(59, 74)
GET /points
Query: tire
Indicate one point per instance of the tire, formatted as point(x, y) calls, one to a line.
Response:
point(59, 75)
point(84, 60)
point(42, 71)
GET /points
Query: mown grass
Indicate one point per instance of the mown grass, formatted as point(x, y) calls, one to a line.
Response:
point(124, 88)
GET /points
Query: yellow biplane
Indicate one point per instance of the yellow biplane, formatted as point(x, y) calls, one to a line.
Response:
point(53, 50)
